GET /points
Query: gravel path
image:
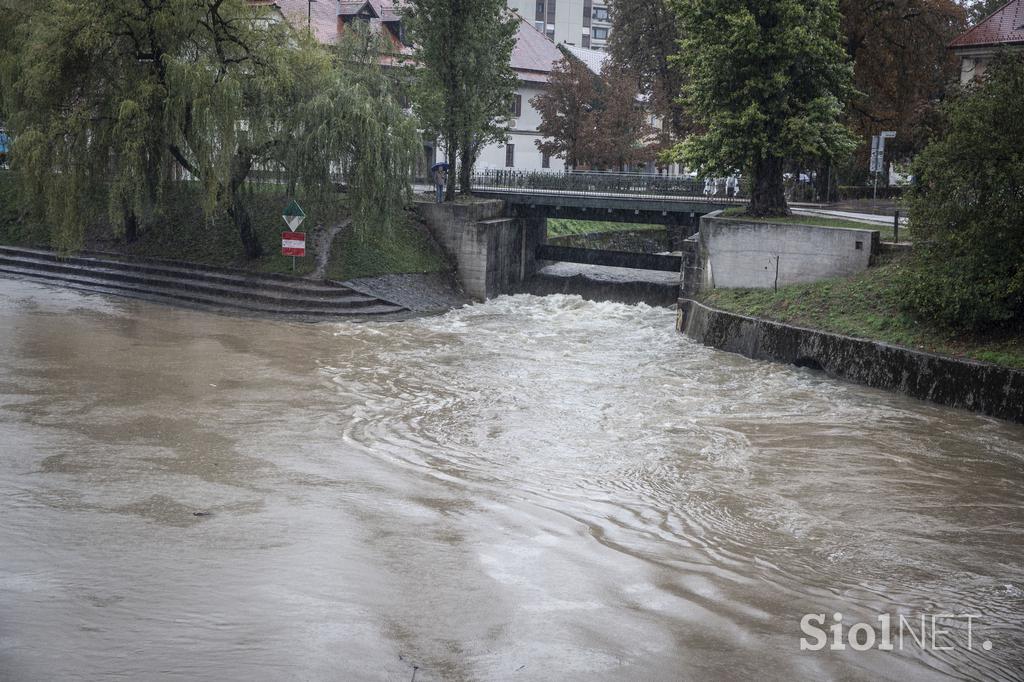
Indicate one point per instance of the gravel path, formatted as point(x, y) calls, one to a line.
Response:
point(420, 292)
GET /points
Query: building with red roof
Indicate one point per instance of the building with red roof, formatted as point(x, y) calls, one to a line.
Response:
point(533, 58)
point(1002, 30)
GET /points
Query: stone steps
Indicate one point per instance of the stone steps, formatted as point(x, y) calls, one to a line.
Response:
point(183, 283)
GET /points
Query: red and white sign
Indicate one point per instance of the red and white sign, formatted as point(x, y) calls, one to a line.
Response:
point(293, 243)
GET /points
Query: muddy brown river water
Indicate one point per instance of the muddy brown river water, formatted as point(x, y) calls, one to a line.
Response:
point(527, 489)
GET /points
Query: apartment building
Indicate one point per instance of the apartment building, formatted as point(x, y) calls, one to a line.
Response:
point(584, 23)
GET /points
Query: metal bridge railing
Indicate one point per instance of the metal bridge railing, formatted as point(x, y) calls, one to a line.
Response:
point(591, 183)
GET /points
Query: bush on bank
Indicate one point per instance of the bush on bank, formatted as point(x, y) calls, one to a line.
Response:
point(967, 209)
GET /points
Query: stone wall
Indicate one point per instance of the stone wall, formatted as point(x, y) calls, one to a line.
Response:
point(492, 252)
point(979, 386)
point(737, 253)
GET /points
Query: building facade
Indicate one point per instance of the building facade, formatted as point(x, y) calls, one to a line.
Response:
point(1002, 30)
point(533, 58)
point(584, 23)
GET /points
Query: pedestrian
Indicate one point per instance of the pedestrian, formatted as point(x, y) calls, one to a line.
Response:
point(440, 180)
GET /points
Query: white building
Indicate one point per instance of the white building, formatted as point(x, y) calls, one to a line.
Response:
point(533, 58)
point(1002, 30)
point(584, 23)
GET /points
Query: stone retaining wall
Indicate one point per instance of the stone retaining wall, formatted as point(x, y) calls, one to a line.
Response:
point(979, 386)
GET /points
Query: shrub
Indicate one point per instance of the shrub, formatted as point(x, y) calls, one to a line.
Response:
point(967, 208)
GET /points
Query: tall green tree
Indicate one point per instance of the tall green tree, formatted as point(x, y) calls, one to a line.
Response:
point(766, 81)
point(112, 100)
point(463, 79)
point(967, 209)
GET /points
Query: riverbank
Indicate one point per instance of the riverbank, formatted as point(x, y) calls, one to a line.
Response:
point(953, 382)
point(868, 306)
point(185, 233)
point(404, 266)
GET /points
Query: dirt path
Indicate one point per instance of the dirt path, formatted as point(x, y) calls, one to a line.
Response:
point(323, 241)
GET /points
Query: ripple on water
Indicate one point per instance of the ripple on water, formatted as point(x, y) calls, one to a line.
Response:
point(531, 484)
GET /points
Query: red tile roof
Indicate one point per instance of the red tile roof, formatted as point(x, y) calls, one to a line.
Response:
point(534, 55)
point(1005, 26)
point(323, 17)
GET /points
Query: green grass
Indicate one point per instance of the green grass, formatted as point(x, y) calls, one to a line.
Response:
point(868, 305)
point(563, 227)
point(409, 249)
point(183, 232)
point(885, 231)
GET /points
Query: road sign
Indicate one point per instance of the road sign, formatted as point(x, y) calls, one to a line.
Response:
point(293, 215)
point(293, 243)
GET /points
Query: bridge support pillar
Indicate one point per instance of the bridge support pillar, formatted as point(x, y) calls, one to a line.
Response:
point(492, 253)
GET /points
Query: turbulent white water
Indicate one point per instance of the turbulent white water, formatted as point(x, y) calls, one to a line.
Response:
point(532, 488)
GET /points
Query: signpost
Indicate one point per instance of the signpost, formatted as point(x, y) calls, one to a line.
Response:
point(878, 154)
point(293, 243)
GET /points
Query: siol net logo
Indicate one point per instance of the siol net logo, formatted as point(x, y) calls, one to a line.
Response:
point(936, 632)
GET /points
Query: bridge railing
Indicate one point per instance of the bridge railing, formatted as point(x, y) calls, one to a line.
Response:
point(584, 183)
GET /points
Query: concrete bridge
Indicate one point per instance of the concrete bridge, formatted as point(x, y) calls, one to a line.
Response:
point(676, 202)
point(499, 243)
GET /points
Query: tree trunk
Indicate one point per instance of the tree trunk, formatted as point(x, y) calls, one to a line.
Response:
point(240, 167)
point(450, 157)
point(767, 197)
point(246, 232)
point(131, 226)
point(465, 168)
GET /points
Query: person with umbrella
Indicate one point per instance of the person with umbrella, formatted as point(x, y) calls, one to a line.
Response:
point(439, 172)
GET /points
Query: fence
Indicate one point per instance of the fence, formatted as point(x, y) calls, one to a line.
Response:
point(608, 184)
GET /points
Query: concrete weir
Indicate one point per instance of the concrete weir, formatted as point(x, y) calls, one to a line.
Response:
point(498, 251)
point(954, 382)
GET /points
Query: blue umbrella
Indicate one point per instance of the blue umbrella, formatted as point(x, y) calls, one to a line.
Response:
point(440, 164)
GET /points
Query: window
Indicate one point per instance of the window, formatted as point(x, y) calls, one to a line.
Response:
point(510, 156)
point(540, 11)
point(601, 13)
point(586, 41)
point(545, 161)
point(599, 33)
point(517, 106)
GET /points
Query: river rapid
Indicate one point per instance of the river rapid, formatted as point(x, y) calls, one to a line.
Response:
point(527, 489)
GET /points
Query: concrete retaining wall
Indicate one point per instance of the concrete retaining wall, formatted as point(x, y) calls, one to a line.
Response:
point(968, 384)
point(737, 253)
point(492, 252)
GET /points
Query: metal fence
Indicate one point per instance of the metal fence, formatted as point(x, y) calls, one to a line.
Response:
point(608, 184)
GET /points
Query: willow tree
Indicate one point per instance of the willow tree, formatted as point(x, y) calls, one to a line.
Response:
point(463, 80)
point(765, 80)
point(112, 99)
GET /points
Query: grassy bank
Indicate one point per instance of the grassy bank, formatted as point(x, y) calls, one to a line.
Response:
point(885, 231)
point(183, 232)
point(866, 306)
point(563, 227)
